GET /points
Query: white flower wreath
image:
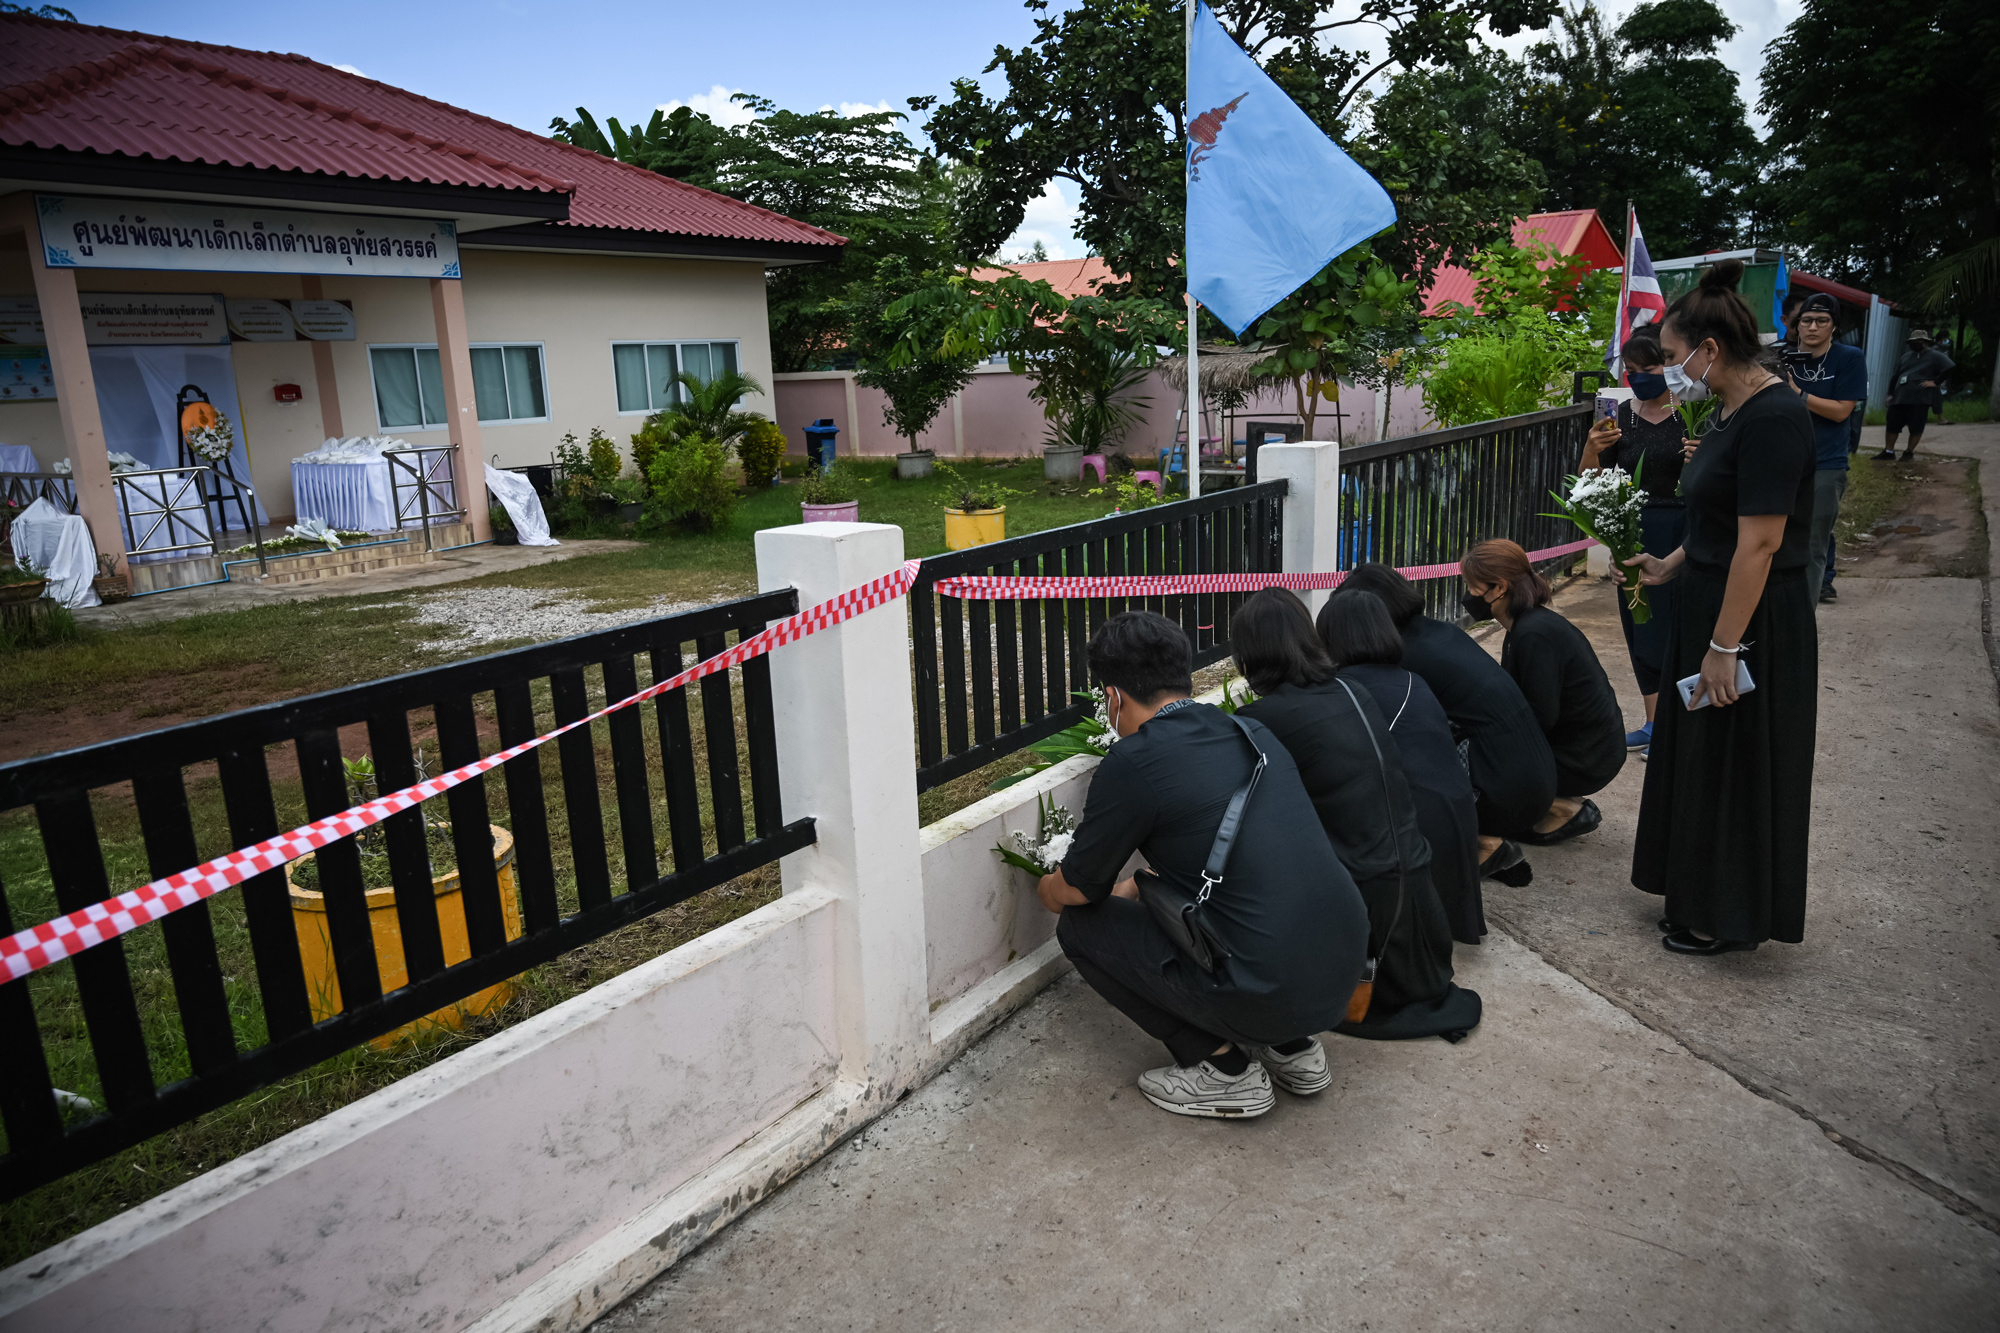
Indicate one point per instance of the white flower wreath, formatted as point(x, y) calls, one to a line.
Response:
point(213, 443)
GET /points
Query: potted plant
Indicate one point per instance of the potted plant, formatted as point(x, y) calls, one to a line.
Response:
point(828, 496)
point(110, 587)
point(975, 512)
point(21, 583)
point(915, 464)
point(629, 494)
point(503, 526)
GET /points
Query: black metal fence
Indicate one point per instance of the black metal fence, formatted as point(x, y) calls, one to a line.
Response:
point(993, 677)
point(155, 1030)
point(1423, 499)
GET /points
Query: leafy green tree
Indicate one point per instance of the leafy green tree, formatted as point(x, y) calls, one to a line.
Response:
point(1885, 126)
point(1344, 319)
point(1084, 356)
point(1096, 99)
point(857, 176)
point(902, 347)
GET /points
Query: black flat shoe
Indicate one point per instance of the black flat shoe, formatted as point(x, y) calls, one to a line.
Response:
point(1683, 941)
point(1509, 866)
point(1669, 927)
point(1580, 823)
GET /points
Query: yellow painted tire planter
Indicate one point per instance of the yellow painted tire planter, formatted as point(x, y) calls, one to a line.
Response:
point(316, 943)
point(966, 528)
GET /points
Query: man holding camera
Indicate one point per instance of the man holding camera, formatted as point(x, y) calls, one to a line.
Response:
point(1833, 379)
point(1284, 927)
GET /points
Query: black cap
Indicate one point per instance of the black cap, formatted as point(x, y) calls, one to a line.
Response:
point(1821, 301)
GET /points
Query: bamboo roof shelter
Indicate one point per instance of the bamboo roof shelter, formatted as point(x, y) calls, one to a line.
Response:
point(1225, 370)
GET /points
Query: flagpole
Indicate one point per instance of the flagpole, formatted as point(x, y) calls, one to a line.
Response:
point(1192, 457)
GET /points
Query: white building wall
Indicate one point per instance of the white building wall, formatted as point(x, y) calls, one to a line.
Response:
point(576, 306)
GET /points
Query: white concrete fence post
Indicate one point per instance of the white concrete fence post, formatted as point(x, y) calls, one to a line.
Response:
point(1312, 506)
point(847, 757)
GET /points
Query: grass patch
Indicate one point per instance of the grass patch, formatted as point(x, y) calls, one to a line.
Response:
point(1956, 411)
point(1873, 492)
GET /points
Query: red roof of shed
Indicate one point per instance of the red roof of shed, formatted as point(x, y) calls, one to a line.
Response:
point(1576, 231)
point(83, 89)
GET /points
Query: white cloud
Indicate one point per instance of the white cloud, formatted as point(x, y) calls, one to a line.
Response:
point(714, 104)
point(1050, 219)
point(849, 110)
point(349, 69)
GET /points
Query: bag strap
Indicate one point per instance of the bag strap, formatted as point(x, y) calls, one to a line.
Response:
point(1232, 818)
point(1388, 815)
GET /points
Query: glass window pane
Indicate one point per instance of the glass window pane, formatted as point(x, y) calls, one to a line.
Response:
point(524, 382)
point(628, 364)
point(431, 378)
point(663, 366)
point(489, 384)
point(694, 360)
point(396, 402)
point(724, 355)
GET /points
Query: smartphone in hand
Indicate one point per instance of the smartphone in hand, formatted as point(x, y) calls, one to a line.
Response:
point(1686, 686)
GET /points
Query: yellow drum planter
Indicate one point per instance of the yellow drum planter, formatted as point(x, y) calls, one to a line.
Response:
point(316, 943)
point(966, 528)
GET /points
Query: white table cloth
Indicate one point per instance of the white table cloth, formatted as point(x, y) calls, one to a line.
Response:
point(18, 458)
point(351, 496)
point(58, 544)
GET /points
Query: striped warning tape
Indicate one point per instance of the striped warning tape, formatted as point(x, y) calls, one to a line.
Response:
point(40, 946)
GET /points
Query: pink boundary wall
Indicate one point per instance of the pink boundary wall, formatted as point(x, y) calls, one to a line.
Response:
point(994, 418)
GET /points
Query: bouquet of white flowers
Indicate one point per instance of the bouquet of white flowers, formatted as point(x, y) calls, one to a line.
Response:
point(213, 443)
point(1605, 503)
point(1057, 829)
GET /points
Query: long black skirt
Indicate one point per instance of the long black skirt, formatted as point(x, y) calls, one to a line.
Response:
point(1513, 773)
point(1726, 816)
point(1450, 824)
point(1661, 531)
point(1414, 993)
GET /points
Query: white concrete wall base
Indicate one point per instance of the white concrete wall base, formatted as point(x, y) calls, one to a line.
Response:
point(638, 1251)
point(972, 1015)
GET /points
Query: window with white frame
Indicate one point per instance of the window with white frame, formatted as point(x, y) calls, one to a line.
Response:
point(508, 384)
point(646, 371)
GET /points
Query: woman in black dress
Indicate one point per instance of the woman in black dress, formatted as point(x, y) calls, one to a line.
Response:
point(1367, 650)
point(1354, 775)
point(1513, 771)
point(1646, 440)
point(1724, 821)
point(1559, 676)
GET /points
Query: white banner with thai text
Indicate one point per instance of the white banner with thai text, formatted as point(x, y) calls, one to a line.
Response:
point(82, 232)
point(148, 319)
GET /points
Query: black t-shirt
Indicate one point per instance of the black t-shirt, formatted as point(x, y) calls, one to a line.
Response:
point(1287, 911)
point(1564, 684)
point(1364, 807)
point(1475, 691)
point(1655, 443)
point(1757, 461)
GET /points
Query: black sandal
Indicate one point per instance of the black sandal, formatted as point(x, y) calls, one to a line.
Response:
point(1587, 817)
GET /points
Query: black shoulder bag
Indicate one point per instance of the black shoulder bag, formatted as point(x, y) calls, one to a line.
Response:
point(1180, 913)
point(1364, 993)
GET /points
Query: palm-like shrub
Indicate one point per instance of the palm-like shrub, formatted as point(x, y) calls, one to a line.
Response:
point(706, 408)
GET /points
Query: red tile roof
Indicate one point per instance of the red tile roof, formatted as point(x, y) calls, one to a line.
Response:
point(73, 87)
point(1070, 277)
point(1576, 231)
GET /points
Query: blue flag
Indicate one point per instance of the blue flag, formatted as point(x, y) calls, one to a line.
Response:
point(1270, 199)
point(1781, 284)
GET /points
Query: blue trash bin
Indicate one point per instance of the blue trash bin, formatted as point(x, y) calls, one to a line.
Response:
point(820, 437)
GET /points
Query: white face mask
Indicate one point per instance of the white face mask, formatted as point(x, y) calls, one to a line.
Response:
point(1684, 386)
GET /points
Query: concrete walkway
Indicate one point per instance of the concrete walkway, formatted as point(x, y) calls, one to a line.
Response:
point(1807, 1137)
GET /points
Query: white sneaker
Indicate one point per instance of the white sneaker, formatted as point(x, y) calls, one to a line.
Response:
point(1205, 1090)
point(1302, 1074)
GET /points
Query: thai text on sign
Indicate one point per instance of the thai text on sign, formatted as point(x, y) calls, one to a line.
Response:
point(152, 234)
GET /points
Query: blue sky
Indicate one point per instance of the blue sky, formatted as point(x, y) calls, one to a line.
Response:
point(524, 63)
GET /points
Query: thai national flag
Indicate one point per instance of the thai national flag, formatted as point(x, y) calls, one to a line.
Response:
point(1639, 300)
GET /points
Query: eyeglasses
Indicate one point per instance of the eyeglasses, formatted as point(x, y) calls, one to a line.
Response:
point(1804, 320)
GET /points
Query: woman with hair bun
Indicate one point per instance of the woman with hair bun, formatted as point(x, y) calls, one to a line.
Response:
point(1559, 676)
point(1724, 821)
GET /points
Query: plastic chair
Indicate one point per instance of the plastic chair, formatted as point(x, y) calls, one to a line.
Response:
point(1173, 460)
point(1097, 461)
point(1159, 487)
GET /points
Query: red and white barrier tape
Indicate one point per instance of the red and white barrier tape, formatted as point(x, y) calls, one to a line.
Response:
point(40, 946)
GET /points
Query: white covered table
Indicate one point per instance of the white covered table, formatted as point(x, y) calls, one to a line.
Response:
point(351, 496)
point(18, 458)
